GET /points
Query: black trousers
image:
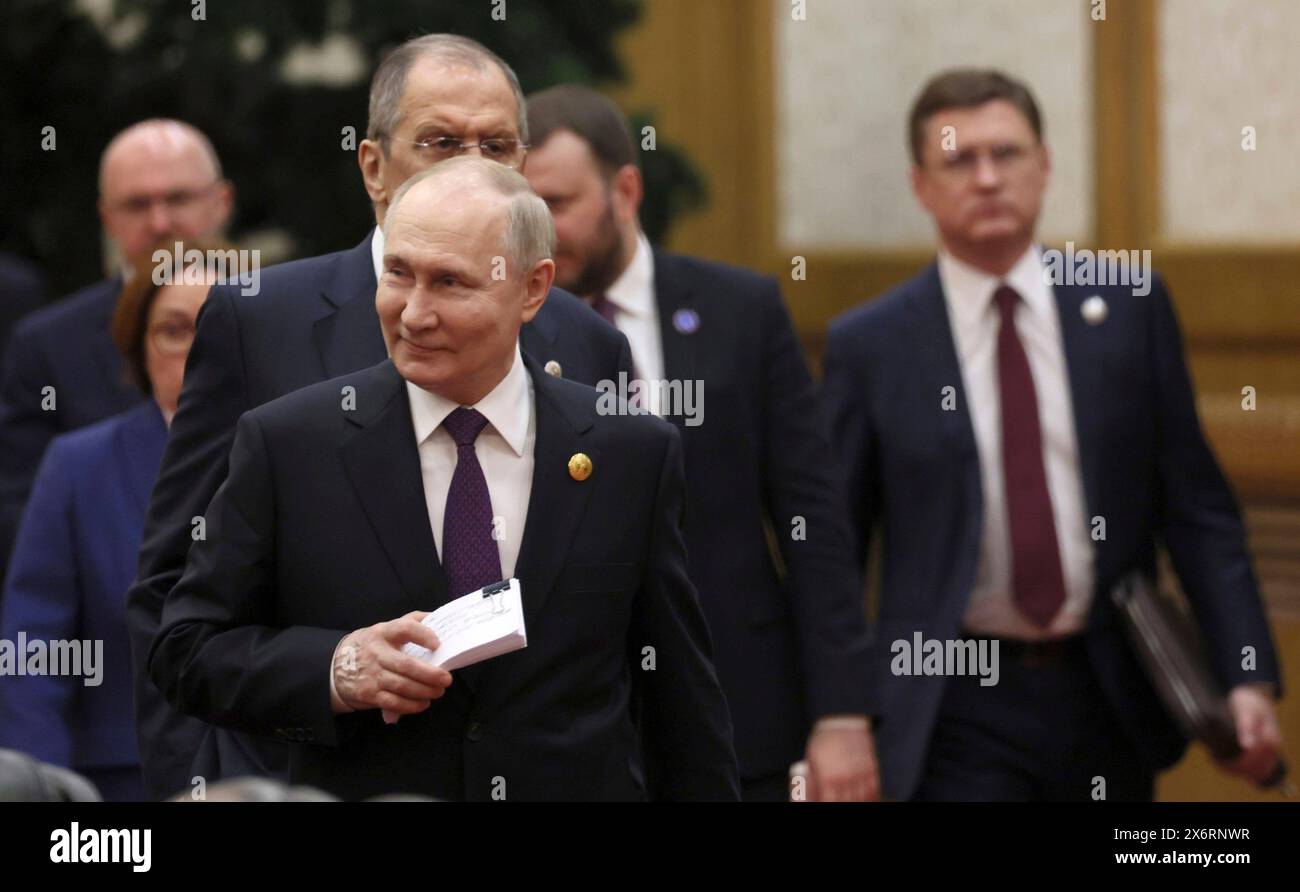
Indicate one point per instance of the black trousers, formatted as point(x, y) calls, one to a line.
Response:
point(1044, 732)
point(773, 788)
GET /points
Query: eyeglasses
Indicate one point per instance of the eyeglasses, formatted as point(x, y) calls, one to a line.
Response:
point(1005, 157)
point(509, 152)
point(177, 201)
point(171, 339)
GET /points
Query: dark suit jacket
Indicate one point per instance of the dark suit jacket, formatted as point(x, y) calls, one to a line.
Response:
point(22, 291)
point(313, 319)
point(322, 527)
point(65, 346)
point(791, 642)
point(913, 469)
point(73, 561)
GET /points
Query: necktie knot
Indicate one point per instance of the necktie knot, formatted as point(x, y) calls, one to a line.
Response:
point(1006, 298)
point(605, 307)
point(465, 425)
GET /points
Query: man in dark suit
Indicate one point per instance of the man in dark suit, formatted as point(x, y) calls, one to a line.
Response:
point(158, 180)
point(314, 319)
point(1023, 445)
point(459, 463)
point(791, 640)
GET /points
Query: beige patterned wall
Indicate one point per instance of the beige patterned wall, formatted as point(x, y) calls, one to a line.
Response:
point(1225, 65)
point(846, 76)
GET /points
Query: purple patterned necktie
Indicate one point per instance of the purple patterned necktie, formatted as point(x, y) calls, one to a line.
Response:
point(469, 553)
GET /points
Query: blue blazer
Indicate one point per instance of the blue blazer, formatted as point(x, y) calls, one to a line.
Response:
point(321, 527)
point(913, 471)
point(73, 561)
point(65, 346)
point(313, 320)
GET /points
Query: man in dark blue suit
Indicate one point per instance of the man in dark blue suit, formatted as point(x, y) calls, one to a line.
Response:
point(765, 520)
point(460, 463)
point(1022, 445)
point(431, 99)
point(158, 180)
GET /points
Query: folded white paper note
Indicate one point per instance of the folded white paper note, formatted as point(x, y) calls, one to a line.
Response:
point(476, 627)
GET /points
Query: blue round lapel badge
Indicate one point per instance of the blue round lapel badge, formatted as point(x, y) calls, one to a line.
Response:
point(686, 321)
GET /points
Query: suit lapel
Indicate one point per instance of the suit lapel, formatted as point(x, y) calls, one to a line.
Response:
point(382, 461)
point(140, 443)
point(672, 296)
point(557, 502)
point(937, 354)
point(1084, 346)
point(348, 337)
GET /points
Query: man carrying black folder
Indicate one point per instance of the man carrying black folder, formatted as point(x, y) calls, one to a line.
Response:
point(1024, 443)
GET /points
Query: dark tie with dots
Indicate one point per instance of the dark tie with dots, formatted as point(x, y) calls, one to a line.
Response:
point(1037, 581)
point(469, 553)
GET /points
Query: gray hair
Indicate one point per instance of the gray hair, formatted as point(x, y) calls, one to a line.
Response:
point(530, 231)
point(389, 82)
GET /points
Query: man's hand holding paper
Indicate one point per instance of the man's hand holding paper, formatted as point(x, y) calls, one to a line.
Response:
point(370, 670)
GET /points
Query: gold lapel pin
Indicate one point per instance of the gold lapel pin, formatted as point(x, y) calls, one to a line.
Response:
point(579, 466)
point(553, 369)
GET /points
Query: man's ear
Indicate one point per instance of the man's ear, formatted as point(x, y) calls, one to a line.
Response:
point(627, 189)
point(370, 158)
point(226, 201)
point(536, 286)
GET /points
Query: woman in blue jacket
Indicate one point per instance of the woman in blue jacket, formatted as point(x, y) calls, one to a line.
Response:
point(75, 554)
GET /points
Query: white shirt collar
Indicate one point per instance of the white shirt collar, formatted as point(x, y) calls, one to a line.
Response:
point(508, 407)
point(969, 291)
point(377, 252)
point(633, 292)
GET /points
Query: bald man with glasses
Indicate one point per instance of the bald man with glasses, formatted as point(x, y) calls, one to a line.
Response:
point(158, 180)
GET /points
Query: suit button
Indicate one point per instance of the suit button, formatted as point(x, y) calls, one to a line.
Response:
point(474, 732)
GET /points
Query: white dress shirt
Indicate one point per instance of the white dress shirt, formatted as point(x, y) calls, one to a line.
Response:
point(973, 317)
point(637, 316)
point(504, 450)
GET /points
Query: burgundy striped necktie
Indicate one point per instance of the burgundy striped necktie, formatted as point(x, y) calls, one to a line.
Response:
point(1037, 580)
point(469, 553)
